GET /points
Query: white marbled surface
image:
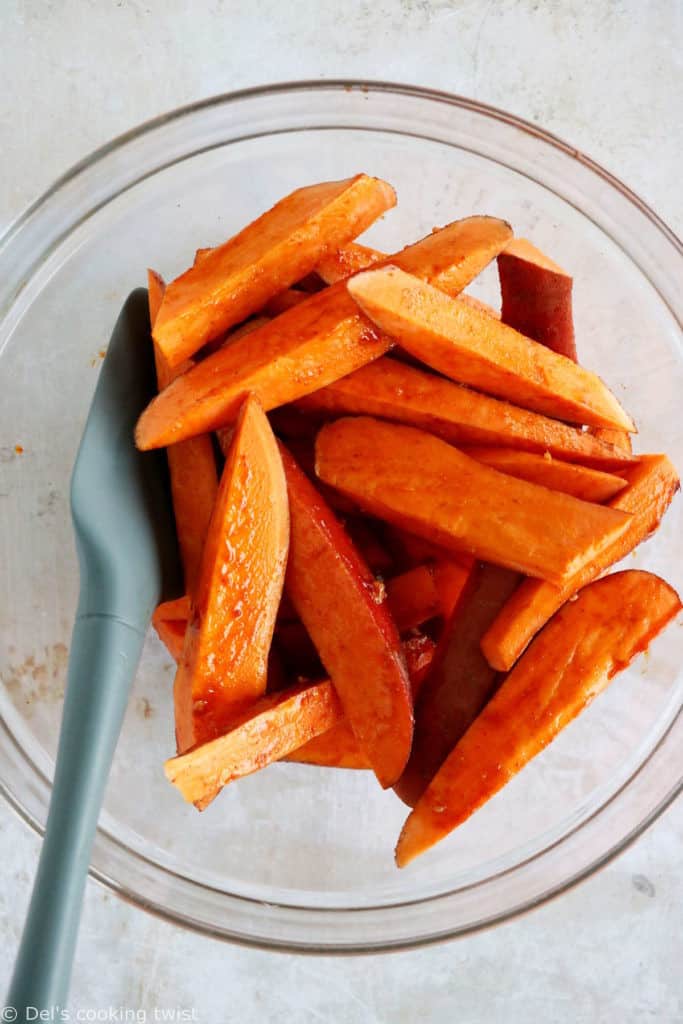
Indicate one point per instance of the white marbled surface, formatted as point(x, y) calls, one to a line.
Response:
point(604, 74)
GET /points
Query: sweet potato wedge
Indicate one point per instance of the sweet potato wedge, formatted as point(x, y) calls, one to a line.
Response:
point(317, 342)
point(460, 680)
point(569, 664)
point(156, 286)
point(353, 258)
point(336, 598)
point(619, 439)
point(473, 348)
point(537, 297)
point(413, 597)
point(236, 279)
point(582, 482)
point(394, 391)
point(283, 301)
point(338, 747)
point(451, 578)
point(419, 482)
point(650, 488)
point(266, 731)
point(347, 260)
point(170, 622)
point(192, 470)
point(234, 605)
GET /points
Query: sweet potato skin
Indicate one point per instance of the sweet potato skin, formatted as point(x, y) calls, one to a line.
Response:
point(234, 605)
point(537, 297)
point(476, 349)
point(355, 636)
point(582, 482)
point(309, 346)
point(568, 664)
point(234, 280)
point(395, 391)
point(460, 680)
point(418, 482)
point(266, 731)
point(651, 486)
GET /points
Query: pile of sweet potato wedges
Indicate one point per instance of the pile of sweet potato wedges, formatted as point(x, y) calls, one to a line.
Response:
point(395, 507)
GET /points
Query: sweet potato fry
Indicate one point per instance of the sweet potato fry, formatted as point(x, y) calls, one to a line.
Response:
point(351, 258)
point(413, 597)
point(568, 665)
point(283, 301)
point(582, 482)
point(170, 622)
point(419, 482)
point(265, 732)
point(394, 391)
point(224, 662)
point(336, 598)
point(460, 680)
point(192, 469)
point(620, 439)
point(156, 286)
point(651, 487)
point(537, 297)
point(236, 279)
point(451, 578)
point(474, 348)
point(338, 747)
point(310, 346)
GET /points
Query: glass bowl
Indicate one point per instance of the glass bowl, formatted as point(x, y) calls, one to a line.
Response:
point(297, 857)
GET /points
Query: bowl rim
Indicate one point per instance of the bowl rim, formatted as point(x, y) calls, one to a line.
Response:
point(15, 226)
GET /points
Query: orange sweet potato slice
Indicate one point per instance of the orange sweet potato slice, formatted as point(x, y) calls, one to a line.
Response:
point(347, 260)
point(353, 258)
point(264, 732)
point(570, 663)
point(395, 391)
point(338, 747)
point(156, 286)
point(419, 482)
point(170, 622)
point(650, 488)
point(620, 439)
point(192, 469)
point(234, 280)
point(336, 598)
point(317, 342)
point(413, 597)
point(537, 297)
point(234, 605)
point(283, 301)
point(476, 349)
point(460, 680)
point(582, 482)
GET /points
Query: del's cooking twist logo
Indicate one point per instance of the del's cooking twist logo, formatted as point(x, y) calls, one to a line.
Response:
point(99, 1015)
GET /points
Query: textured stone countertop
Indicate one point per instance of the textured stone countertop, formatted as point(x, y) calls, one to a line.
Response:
point(606, 75)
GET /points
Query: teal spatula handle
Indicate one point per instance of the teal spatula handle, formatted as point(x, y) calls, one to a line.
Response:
point(104, 657)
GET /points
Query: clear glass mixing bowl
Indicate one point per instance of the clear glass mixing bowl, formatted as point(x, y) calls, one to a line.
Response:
point(298, 857)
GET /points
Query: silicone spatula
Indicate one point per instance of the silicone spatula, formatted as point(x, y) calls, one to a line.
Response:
point(128, 562)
